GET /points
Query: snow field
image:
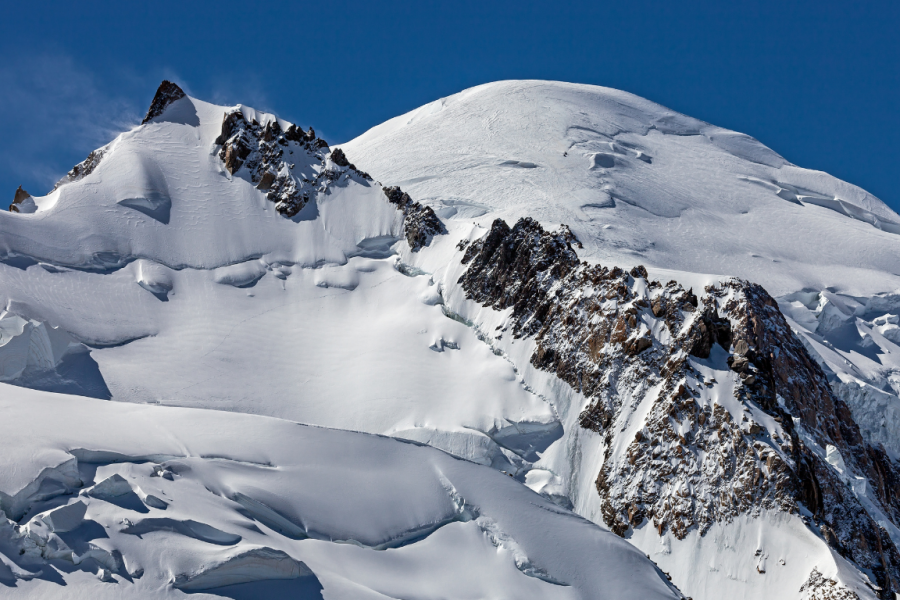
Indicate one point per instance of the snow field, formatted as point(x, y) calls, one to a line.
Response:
point(160, 280)
point(176, 499)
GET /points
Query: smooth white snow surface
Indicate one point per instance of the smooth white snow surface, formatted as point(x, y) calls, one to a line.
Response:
point(638, 184)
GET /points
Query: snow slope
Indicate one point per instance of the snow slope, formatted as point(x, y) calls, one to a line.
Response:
point(641, 184)
point(638, 184)
point(126, 501)
point(226, 304)
point(162, 272)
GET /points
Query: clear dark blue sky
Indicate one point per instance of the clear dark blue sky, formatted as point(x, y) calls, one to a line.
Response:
point(819, 82)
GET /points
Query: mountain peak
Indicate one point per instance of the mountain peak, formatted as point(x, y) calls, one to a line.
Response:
point(166, 94)
point(20, 201)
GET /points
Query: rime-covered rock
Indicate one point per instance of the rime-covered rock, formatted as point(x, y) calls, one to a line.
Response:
point(265, 152)
point(84, 168)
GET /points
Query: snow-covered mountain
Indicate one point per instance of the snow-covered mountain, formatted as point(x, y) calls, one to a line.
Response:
point(639, 184)
point(542, 285)
point(222, 259)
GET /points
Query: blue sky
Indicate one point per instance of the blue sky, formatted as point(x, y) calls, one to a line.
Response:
point(819, 82)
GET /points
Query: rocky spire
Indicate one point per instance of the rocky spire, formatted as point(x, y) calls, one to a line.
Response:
point(20, 197)
point(167, 93)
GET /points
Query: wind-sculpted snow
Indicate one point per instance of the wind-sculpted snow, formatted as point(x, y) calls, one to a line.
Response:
point(224, 261)
point(638, 183)
point(369, 515)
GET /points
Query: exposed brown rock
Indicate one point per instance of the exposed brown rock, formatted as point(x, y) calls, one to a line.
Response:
point(691, 466)
point(21, 196)
point(266, 181)
point(166, 94)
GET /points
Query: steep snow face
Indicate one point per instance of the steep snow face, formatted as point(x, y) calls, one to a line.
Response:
point(638, 184)
point(221, 258)
point(125, 501)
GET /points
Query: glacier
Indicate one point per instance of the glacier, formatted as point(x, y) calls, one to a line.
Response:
point(233, 359)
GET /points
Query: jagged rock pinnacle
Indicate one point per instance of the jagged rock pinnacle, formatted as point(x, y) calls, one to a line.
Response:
point(167, 93)
point(21, 196)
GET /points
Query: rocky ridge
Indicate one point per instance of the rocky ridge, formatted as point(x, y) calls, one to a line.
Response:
point(420, 223)
point(82, 169)
point(260, 152)
point(166, 94)
point(704, 451)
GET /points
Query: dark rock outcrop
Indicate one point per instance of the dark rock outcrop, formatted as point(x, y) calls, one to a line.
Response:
point(82, 169)
point(420, 223)
point(337, 156)
point(260, 151)
point(267, 155)
point(19, 198)
point(166, 94)
point(624, 341)
point(708, 330)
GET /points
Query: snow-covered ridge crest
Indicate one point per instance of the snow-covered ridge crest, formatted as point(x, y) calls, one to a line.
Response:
point(213, 171)
point(638, 183)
